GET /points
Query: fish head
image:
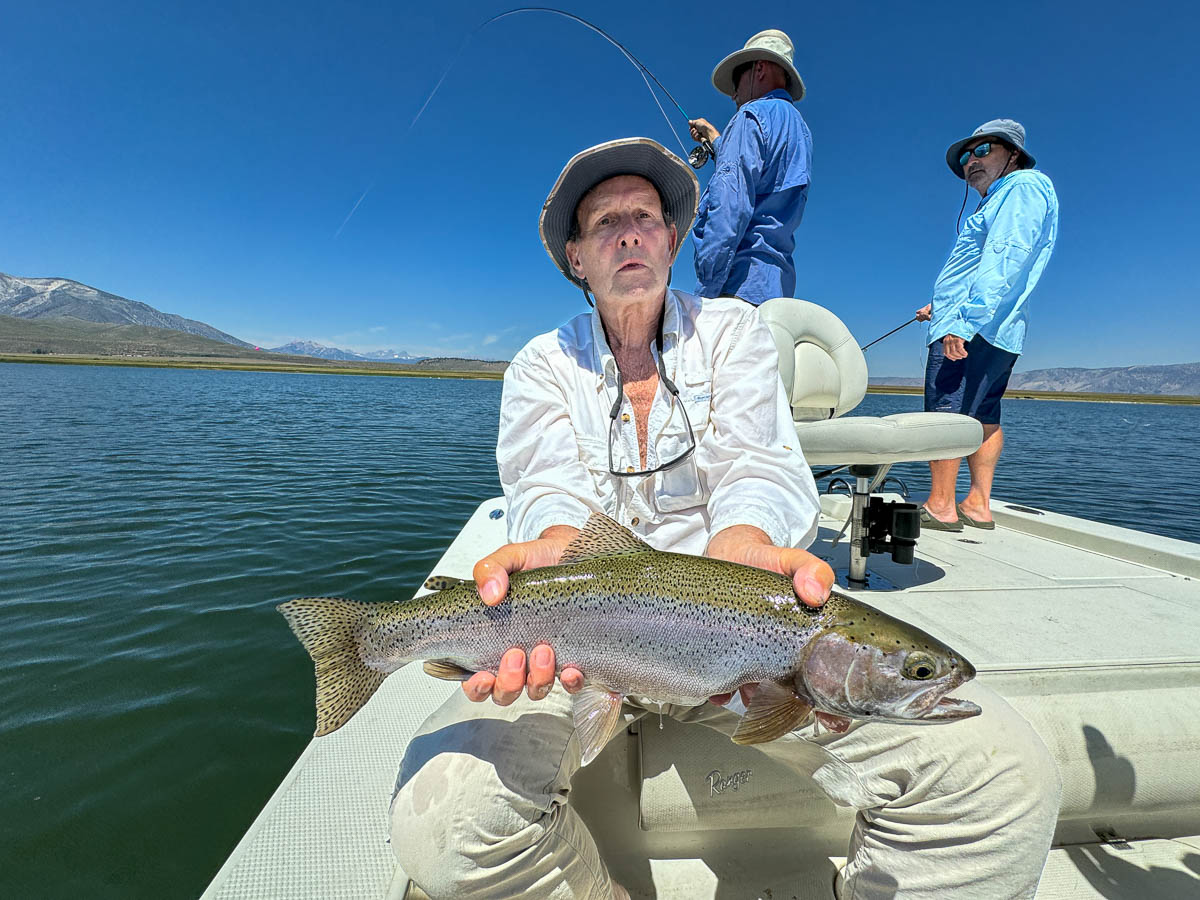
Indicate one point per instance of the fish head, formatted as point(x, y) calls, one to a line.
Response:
point(867, 665)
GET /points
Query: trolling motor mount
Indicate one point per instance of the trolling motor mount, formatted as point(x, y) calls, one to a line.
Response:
point(891, 527)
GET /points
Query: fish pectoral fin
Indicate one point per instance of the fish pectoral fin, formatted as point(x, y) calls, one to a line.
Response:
point(441, 582)
point(773, 712)
point(596, 711)
point(446, 670)
point(602, 537)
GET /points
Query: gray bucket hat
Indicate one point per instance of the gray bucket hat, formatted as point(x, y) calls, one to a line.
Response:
point(673, 179)
point(772, 45)
point(1006, 129)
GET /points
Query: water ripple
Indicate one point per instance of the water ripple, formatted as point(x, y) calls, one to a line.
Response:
point(153, 696)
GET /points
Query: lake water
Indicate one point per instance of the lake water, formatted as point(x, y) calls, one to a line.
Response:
point(152, 518)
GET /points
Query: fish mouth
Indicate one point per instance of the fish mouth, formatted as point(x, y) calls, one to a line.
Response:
point(948, 709)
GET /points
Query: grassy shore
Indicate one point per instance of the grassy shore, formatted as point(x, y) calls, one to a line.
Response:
point(1019, 394)
point(311, 366)
point(303, 365)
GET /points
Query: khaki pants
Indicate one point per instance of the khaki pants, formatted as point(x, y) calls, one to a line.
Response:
point(963, 810)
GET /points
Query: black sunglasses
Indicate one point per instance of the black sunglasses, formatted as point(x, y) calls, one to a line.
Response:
point(979, 151)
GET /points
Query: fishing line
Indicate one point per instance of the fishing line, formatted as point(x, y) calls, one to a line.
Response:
point(695, 157)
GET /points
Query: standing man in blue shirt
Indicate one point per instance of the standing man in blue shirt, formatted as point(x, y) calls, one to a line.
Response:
point(745, 229)
point(979, 313)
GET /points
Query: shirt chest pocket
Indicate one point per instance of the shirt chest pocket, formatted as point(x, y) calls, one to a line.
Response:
point(593, 453)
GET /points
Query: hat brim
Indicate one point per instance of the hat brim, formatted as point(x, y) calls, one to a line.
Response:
point(674, 180)
point(722, 76)
point(956, 149)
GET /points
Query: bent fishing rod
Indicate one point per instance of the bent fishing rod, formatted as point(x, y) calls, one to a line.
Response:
point(697, 156)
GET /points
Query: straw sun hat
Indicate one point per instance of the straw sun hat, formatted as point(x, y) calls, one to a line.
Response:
point(772, 45)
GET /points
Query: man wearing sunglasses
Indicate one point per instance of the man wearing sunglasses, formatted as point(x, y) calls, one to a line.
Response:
point(979, 313)
point(666, 412)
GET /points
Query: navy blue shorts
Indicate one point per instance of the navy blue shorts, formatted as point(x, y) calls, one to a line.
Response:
point(971, 386)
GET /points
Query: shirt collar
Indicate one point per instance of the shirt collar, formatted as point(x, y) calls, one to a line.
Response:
point(995, 185)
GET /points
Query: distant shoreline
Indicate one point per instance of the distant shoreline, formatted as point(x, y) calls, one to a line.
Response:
point(1020, 394)
point(301, 366)
point(323, 367)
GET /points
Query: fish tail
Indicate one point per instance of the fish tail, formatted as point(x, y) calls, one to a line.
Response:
point(326, 626)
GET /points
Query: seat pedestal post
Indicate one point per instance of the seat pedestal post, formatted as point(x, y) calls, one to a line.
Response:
point(864, 480)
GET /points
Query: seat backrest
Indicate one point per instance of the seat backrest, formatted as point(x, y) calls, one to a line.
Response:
point(824, 373)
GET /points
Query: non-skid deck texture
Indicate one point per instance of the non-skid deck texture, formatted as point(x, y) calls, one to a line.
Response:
point(324, 833)
point(1020, 605)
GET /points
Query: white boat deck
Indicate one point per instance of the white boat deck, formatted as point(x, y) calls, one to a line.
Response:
point(1092, 631)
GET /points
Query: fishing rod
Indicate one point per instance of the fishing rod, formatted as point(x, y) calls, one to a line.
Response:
point(890, 333)
point(697, 156)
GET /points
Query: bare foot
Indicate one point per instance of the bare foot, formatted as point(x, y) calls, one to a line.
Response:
point(619, 893)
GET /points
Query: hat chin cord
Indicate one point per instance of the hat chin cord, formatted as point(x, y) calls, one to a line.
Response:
point(967, 190)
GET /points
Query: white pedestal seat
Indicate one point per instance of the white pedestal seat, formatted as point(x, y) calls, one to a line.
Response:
point(874, 440)
point(825, 376)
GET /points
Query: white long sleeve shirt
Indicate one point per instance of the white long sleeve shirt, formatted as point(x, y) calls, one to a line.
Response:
point(553, 448)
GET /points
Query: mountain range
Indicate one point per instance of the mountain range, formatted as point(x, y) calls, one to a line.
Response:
point(61, 298)
point(1181, 379)
point(121, 326)
point(312, 348)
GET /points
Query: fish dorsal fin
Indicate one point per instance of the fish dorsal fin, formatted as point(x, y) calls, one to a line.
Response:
point(773, 712)
point(602, 537)
point(440, 582)
point(596, 711)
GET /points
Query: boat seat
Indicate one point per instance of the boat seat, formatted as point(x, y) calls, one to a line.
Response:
point(825, 376)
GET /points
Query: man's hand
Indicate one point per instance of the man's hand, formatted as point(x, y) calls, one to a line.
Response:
point(925, 313)
point(954, 347)
point(702, 130)
point(811, 577)
point(491, 577)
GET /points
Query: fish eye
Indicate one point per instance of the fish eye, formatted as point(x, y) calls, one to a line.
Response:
point(919, 667)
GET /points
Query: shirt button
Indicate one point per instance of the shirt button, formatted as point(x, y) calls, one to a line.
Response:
point(629, 468)
point(634, 521)
point(625, 417)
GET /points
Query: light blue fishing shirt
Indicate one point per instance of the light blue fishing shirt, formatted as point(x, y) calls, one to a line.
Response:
point(745, 228)
point(999, 256)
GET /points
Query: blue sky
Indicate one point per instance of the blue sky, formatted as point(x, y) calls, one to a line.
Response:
point(201, 157)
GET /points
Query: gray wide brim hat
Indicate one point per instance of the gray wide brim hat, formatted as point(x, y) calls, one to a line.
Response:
point(772, 45)
point(1005, 129)
point(673, 179)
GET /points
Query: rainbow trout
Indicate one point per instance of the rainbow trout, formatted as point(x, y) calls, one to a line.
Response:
point(637, 622)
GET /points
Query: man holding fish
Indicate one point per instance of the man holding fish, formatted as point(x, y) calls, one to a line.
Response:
point(664, 412)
